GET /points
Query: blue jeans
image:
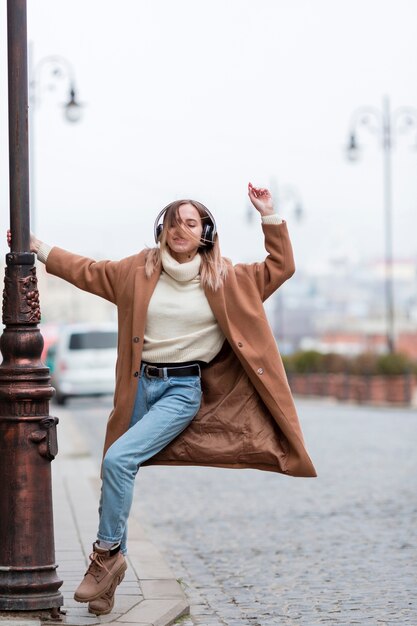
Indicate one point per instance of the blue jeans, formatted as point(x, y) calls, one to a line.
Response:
point(163, 409)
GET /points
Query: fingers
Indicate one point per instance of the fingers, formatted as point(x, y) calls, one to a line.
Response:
point(257, 192)
point(9, 237)
point(263, 192)
point(252, 191)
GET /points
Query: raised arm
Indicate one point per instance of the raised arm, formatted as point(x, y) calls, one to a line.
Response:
point(279, 263)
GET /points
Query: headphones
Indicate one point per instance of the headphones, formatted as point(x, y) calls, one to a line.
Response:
point(207, 236)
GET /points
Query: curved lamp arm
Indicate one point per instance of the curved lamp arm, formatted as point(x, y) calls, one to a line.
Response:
point(404, 120)
point(60, 67)
point(370, 117)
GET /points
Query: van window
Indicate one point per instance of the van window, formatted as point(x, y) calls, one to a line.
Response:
point(94, 340)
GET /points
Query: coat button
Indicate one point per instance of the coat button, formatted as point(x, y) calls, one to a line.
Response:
point(136, 374)
point(136, 339)
point(240, 344)
point(260, 370)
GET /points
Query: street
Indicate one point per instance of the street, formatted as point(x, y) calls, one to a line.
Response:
point(261, 549)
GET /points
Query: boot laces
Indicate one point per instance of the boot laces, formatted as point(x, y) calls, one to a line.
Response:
point(97, 564)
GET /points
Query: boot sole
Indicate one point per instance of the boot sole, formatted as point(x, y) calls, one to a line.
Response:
point(119, 572)
point(116, 583)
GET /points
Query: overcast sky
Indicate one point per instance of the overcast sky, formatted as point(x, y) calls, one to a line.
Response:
point(193, 98)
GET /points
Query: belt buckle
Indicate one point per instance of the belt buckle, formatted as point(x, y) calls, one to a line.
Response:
point(149, 374)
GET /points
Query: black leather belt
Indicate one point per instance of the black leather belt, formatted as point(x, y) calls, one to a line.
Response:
point(152, 371)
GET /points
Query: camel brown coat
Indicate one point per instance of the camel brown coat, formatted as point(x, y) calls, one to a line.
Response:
point(247, 417)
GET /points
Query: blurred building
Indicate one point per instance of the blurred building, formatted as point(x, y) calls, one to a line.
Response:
point(339, 307)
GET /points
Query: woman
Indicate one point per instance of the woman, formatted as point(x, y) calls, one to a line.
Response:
point(199, 379)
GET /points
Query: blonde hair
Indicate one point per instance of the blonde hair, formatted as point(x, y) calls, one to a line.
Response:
point(213, 266)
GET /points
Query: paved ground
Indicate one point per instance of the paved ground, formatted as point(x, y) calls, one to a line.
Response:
point(259, 549)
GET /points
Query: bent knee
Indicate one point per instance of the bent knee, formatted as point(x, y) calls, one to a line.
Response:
point(110, 462)
point(116, 462)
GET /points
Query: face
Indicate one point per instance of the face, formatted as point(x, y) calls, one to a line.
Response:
point(184, 242)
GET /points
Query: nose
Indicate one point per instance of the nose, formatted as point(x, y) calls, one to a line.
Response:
point(178, 231)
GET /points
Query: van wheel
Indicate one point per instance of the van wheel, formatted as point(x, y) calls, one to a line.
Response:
point(61, 400)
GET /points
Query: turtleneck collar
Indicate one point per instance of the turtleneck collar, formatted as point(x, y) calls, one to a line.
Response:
point(181, 272)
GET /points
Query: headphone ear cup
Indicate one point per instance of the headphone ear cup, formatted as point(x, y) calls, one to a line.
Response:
point(207, 236)
point(158, 232)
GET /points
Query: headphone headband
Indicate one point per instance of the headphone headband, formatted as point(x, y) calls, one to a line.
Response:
point(209, 231)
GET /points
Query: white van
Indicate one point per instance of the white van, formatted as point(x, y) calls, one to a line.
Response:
point(82, 361)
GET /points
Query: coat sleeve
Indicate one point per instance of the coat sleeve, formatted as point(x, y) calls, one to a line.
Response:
point(96, 277)
point(278, 265)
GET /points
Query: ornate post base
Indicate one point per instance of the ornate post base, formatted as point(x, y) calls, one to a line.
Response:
point(28, 444)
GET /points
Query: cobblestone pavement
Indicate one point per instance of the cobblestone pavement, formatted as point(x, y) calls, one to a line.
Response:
point(260, 549)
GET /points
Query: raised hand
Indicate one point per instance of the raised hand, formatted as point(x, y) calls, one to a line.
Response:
point(261, 199)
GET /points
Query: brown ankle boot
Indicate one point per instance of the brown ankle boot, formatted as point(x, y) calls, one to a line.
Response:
point(105, 567)
point(105, 603)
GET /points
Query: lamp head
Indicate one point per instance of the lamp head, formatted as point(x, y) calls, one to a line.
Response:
point(352, 149)
point(73, 109)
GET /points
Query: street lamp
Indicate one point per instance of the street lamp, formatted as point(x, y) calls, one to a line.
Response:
point(28, 443)
point(55, 68)
point(385, 125)
point(49, 71)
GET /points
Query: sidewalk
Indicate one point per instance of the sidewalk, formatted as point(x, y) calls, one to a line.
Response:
point(149, 594)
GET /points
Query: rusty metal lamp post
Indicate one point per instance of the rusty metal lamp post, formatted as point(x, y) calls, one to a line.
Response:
point(385, 125)
point(28, 577)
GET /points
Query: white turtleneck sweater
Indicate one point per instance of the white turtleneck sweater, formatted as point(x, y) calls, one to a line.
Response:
point(180, 325)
